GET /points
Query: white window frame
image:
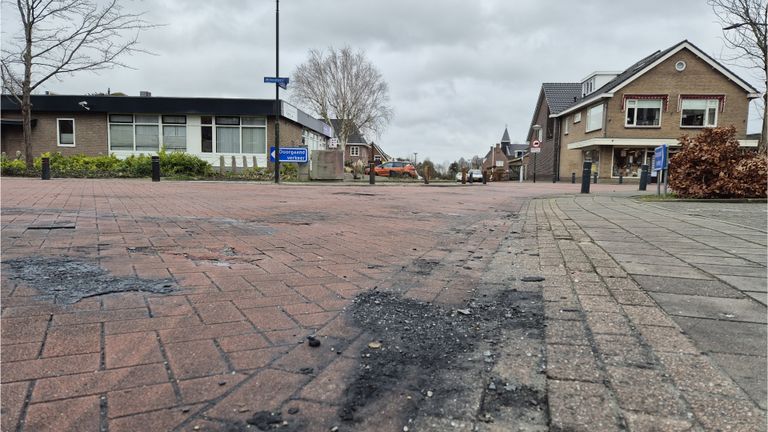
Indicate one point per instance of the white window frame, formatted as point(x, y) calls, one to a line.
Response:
point(577, 117)
point(635, 125)
point(58, 133)
point(710, 103)
point(590, 116)
point(567, 126)
point(262, 124)
point(354, 151)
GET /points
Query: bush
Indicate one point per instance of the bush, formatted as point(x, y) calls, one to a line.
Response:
point(712, 165)
point(12, 167)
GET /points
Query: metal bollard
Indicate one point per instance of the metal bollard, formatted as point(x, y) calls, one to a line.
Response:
point(485, 177)
point(573, 178)
point(643, 177)
point(585, 177)
point(155, 168)
point(471, 178)
point(46, 168)
point(371, 173)
point(621, 179)
point(594, 176)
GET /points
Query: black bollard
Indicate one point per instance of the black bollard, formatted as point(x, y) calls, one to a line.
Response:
point(573, 178)
point(46, 168)
point(372, 173)
point(585, 177)
point(621, 179)
point(643, 177)
point(155, 168)
point(471, 178)
point(554, 178)
point(485, 177)
point(594, 176)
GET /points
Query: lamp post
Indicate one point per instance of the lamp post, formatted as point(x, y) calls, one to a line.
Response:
point(277, 91)
point(537, 132)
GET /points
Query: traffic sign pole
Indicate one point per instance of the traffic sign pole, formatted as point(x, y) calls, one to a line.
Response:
point(277, 90)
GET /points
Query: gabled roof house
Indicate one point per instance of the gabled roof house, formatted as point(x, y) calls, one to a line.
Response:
point(615, 119)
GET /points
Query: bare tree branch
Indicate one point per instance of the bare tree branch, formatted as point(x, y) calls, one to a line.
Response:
point(745, 31)
point(62, 37)
point(344, 85)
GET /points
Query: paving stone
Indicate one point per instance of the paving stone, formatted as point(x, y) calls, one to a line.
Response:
point(251, 395)
point(581, 406)
point(741, 368)
point(744, 283)
point(622, 350)
point(195, 359)
point(566, 332)
point(710, 288)
point(165, 419)
point(96, 382)
point(197, 390)
point(696, 374)
point(712, 307)
point(608, 323)
point(667, 339)
point(639, 422)
point(571, 362)
point(130, 349)
point(726, 336)
point(641, 389)
point(599, 304)
point(49, 367)
point(718, 412)
point(58, 415)
point(140, 399)
point(13, 396)
point(641, 315)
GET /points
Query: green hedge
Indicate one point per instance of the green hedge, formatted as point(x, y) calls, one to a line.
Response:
point(172, 164)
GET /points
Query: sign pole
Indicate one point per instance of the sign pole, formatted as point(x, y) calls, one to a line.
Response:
point(277, 91)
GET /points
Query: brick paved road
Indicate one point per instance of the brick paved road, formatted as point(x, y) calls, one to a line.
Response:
point(257, 268)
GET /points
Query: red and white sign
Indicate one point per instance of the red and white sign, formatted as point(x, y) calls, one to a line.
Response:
point(535, 146)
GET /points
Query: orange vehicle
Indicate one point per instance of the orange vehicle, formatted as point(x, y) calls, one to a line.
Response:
point(395, 169)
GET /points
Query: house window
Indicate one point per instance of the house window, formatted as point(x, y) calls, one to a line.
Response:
point(550, 128)
point(567, 125)
point(175, 132)
point(699, 112)
point(147, 131)
point(354, 150)
point(576, 118)
point(377, 158)
point(595, 118)
point(121, 132)
point(241, 135)
point(643, 113)
point(66, 132)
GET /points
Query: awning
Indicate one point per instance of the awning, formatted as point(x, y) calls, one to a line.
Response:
point(638, 142)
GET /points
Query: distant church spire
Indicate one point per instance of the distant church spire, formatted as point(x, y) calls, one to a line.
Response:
point(505, 138)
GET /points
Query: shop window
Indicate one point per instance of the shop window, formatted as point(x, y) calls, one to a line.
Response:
point(627, 162)
point(66, 132)
point(643, 113)
point(699, 112)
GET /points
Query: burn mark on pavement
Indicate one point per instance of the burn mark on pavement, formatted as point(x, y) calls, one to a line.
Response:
point(435, 354)
point(70, 280)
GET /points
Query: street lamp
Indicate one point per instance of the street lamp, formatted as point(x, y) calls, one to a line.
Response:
point(537, 137)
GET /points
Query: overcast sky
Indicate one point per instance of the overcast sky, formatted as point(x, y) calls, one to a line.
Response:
point(458, 71)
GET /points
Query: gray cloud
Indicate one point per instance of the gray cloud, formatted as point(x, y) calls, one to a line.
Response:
point(458, 71)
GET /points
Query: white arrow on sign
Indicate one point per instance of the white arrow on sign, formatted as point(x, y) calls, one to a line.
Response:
point(272, 154)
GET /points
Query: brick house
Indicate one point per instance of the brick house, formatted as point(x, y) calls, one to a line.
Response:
point(357, 148)
point(553, 98)
point(618, 118)
point(208, 128)
point(496, 163)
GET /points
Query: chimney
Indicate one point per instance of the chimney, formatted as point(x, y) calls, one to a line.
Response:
point(145, 93)
point(498, 145)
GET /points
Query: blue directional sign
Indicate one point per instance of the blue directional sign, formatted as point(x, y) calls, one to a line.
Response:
point(281, 81)
point(660, 161)
point(290, 154)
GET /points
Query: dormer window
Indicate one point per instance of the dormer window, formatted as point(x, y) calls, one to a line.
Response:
point(587, 86)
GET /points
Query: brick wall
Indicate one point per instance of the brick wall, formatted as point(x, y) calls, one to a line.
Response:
point(90, 135)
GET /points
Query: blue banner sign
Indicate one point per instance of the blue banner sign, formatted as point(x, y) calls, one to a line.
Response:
point(660, 156)
point(290, 154)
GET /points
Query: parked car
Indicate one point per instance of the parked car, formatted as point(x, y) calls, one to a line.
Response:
point(475, 174)
point(395, 169)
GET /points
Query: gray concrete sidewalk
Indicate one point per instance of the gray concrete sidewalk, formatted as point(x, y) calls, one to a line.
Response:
point(670, 298)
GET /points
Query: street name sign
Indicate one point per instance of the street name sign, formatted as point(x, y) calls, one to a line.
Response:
point(280, 81)
point(290, 154)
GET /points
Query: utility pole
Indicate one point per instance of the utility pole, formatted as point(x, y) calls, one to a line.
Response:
point(277, 92)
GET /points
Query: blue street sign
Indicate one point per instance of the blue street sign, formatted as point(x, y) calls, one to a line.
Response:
point(660, 161)
point(281, 81)
point(290, 154)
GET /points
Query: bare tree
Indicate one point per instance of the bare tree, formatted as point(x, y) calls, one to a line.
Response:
point(744, 31)
point(344, 85)
point(62, 37)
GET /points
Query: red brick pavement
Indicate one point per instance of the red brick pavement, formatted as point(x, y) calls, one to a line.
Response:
point(259, 267)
